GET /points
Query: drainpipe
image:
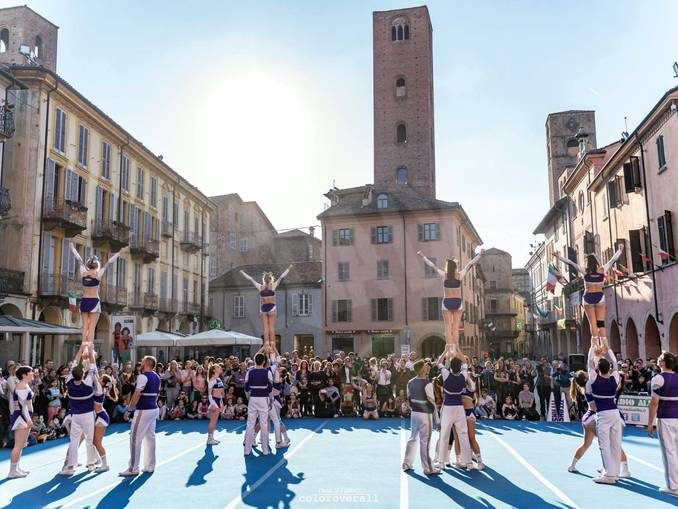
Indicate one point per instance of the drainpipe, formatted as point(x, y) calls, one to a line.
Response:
point(405, 261)
point(614, 285)
point(324, 281)
point(202, 268)
point(42, 193)
point(174, 189)
point(649, 231)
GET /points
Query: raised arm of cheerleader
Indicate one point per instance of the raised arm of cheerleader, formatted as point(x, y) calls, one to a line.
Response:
point(277, 281)
point(251, 279)
point(578, 268)
point(470, 264)
point(614, 258)
point(428, 262)
point(77, 257)
point(111, 259)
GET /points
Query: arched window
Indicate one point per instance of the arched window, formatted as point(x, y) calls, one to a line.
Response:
point(401, 176)
point(400, 30)
point(4, 40)
point(401, 133)
point(382, 201)
point(38, 47)
point(401, 91)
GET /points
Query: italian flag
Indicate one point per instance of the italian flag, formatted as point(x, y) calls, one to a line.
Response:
point(554, 278)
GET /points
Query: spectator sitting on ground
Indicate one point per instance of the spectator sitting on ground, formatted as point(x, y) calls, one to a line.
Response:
point(179, 411)
point(192, 410)
point(229, 410)
point(240, 410)
point(508, 409)
point(388, 408)
point(162, 409)
point(486, 408)
point(294, 407)
point(526, 408)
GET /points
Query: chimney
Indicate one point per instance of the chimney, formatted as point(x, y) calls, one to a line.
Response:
point(311, 231)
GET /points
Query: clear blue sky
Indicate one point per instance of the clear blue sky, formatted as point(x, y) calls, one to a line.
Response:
point(273, 99)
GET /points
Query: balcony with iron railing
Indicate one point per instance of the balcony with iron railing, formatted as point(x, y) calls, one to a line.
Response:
point(191, 242)
point(58, 285)
point(166, 229)
point(66, 214)
point(190, 308)
point(112, 233)
point(166, 305)
point(11, 281)
point(6, 122)
point(144, 247)
point(113, 295)
point(136, 299)
point(151, 302)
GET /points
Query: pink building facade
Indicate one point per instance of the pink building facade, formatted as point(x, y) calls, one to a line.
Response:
point(630, 194)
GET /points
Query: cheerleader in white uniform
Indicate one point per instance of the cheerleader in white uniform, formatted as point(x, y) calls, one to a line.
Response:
point(21, 419)
point(102, 384)
point(215, 396)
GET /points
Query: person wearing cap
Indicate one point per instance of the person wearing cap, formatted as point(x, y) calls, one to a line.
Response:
point(422, 402)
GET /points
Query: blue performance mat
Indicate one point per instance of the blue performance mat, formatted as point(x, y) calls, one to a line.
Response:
point(340, 463)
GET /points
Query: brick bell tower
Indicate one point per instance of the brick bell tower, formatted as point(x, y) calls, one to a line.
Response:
point(24, 30)
point(404, 146)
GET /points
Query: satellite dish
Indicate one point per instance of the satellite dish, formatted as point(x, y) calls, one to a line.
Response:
point(675, 69)
point(25, 50)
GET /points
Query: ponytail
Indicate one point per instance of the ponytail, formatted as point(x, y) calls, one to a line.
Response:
point(578, 384)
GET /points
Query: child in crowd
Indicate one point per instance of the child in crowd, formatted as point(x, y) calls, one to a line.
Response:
point(120, 414)
point(192, 410)
point(240, 410)
point(54, 396)
point(508, 409)
point(202, 407)
point(39, 429)
point(229, 410)
point(405, 409)
point(179, 411)
point(295, 406)
point(162, 409)
point(388, 408)
point(58, 427)
point(486, 408)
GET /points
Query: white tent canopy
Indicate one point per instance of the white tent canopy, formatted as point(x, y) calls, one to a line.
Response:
point(157, 338)
point(219, 337)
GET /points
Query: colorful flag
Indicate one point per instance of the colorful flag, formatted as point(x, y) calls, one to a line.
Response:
point(542, 313)
point(553, 278)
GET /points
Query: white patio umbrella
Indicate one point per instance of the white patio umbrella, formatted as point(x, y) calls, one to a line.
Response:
point(219, 337)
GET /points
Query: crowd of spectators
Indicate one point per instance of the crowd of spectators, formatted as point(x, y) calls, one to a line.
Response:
point(342, 385)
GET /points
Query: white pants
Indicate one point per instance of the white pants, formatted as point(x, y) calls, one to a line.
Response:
point(667, 429)
point(143, 430)
point(81, 424)
point(274, 415)
point(609, 430)
point(257, 408)
point(420, 423)
point(453, 415)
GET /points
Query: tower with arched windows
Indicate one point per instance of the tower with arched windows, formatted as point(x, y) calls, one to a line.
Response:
point(404, 148)
point(22, 30)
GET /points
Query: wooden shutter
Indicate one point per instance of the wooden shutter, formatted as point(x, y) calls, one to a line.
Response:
point(373, 232)
point(82, 188)
point(420, 232)
point(64, 256)
point(99, 204)
point(390, 309)
point(111, 207)
point(390, 234)
point(635, 173)
point(309, 302)
point(662, 232)
point(295, 304)
point(439, 235)
point(335, 237)
point(424, 308)
point(636, 248)
point(628, 178)
point(335, 306)
point(611, 194)
point(348, 310)
point(375, 311)
point(622, 259)
point(669, 234)
point(49, 185)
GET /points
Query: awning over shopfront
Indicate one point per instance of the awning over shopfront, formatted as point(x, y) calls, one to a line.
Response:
point(158, 338)
point(14, 325)
point(219, 337)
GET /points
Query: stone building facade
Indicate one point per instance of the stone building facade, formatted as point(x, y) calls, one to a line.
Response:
point(75, 175)
point(299, 302)
point(379, 297)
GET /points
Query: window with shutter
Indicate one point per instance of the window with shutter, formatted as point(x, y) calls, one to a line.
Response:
point(335, 309)
point(295, 304)
point(309, 304)
point(669, 235)
point(636, 250)
point(661, 155)
point(105, 160)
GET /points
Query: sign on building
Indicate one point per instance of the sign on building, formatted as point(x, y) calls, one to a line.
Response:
point(124, 332)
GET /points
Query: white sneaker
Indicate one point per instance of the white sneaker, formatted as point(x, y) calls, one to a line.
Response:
point(406, 467)
point(435, 471)
point(16, 474)
point(603, 479)
point(67, 471)
point(480, 465)
point(669, 491)
point(624, 474)
point(470, 466)
point(23, 471)
point(148, 470)
point(101, 468)
point(91, 467)
point(129, 473)
point(212, 441)
point(459, 465)
point(572, 469)
point(282, 445)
